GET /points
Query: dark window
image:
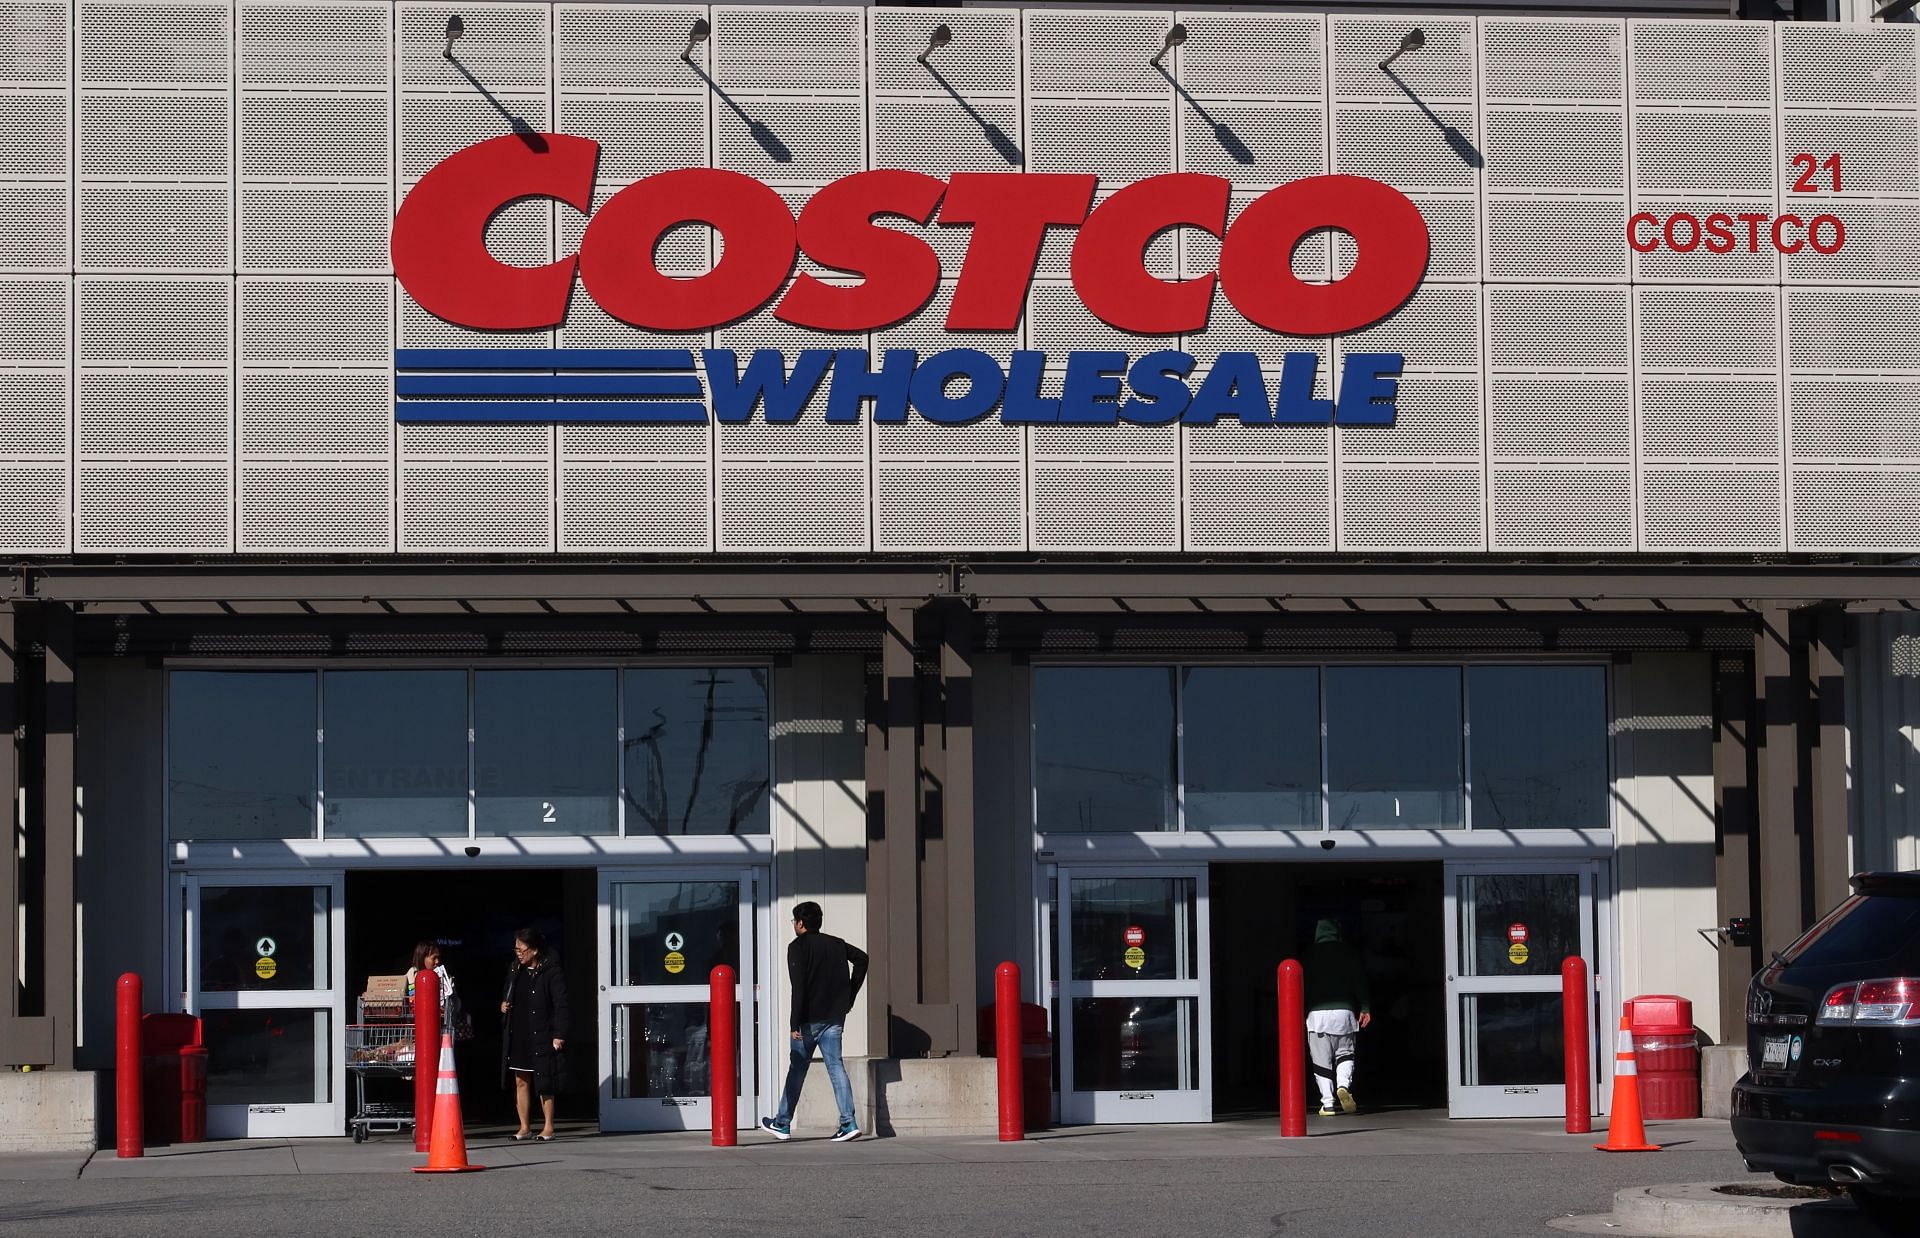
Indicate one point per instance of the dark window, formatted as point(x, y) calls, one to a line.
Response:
point(1393, 747)
point(1864, 929)
point(1539, 741)
point(1103, 745)
point(396, 753)
point(698, 754)
point(545, 752)
point(241, 754)
point(1251, 747)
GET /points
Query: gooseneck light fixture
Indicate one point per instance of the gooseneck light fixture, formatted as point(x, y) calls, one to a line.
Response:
point(695, 37)
point(1175, 38)
point(1412, 41)
point(455, 28)
point(937, 38)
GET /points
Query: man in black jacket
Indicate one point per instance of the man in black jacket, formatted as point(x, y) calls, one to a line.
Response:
point(825, 974)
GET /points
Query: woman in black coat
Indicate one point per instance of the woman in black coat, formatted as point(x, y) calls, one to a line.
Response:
point(534, 1016)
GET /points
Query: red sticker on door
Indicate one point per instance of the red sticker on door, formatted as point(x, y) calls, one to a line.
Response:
point(1517, 933)
point(1136, 936)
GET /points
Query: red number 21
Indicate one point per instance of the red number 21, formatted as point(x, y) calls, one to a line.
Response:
point(1808, 165)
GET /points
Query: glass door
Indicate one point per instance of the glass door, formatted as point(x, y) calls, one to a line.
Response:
point(1134, 1023)
point(1511, 925)
point(662, 937)
point(262, 964)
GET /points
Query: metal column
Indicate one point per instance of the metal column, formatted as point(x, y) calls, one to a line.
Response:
point(1779, 692)
point(956, 678)
point(58, 838)
point(1827, 736)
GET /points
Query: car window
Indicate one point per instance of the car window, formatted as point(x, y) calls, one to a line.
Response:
point(1860, 930)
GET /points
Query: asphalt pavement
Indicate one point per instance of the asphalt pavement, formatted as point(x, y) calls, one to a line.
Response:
point(1403, 1174)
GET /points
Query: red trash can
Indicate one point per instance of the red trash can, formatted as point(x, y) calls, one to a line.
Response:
point(1036, 1061)
point(1666, 1052)
point(174, 1090)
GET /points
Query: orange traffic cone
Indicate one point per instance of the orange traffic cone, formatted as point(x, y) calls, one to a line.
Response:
point(447, 1149)
point(1625, 1132)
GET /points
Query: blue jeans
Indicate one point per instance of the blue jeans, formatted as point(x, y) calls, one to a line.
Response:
point(827, 1036)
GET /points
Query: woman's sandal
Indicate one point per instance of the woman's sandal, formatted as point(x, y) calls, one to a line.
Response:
point(521, 1136)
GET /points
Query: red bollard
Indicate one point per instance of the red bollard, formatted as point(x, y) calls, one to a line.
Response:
point(426, 1054)
point(1574, 993)
point(722, 1028)
point(1293, 1050)
point(130, 1124)
point(1007, 1051)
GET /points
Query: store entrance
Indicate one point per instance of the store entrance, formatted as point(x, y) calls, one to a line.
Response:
point(1265, 912)
point(473, 916)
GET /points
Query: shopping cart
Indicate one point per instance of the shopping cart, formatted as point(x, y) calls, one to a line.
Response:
point(380, 1050)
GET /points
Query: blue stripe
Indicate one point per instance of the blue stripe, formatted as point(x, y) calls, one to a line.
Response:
point(543, 358)
point(574, 412)
point(548, 384)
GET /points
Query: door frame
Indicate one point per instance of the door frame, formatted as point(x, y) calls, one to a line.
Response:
point(1595, 916)
point(1194, 1104)
point(683, 1113)
point(288, 1120)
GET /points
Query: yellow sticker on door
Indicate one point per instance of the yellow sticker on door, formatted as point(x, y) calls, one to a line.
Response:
point(676, 962)
point(1517, 954)
point(1136, 957)
point(264, 967)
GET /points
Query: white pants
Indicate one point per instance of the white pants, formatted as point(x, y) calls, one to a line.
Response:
point(1332, 1063)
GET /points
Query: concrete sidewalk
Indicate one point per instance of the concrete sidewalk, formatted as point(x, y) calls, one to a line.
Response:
point(1400, 1134)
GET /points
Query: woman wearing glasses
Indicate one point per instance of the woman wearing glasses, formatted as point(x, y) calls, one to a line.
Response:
point(534, 1013)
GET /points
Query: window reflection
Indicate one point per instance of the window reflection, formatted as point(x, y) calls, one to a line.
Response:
point(698, 750)
point(396, 752)
point(1251, 747)
point(544, 752)
point(241, 754)
point(1103, 748)
point(1394, 747)
point(1539, 746)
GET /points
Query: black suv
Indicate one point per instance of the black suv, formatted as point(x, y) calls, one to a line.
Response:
point(1832, 1095)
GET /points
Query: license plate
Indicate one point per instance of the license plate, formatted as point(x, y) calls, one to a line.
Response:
point(1773, 1052)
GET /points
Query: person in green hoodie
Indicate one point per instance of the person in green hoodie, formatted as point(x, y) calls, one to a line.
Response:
point(1337, 1008)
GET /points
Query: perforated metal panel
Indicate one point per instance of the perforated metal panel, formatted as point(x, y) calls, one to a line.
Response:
point(332, 414)
point(982, 60)
point(1553, 238)
point(1711, 509)
point(1701, 151)
point(1429, 509)
point(794, 506)
point(929, 508)
point(1559, 418)
point(34, 509)
point(153, 509)
point(1078, 52)
point(1854, 420)
point(1709, 328)
point(476, 507)
point(1846, 65)
point(1444, 69)
point(224, 177)
point(36, 54)
point(315, 509)
point(1254, 55)
point(1247, 508)
point(1866, 509)
point(1548, 509)
point(277, 42)
point(1092, 507)
point(1558, 329)
point(1120, 141)
point(1551, 61)
point(1702, 62)
point(630, 507)
point(601, 49)
point(1725, 417)
point(166, 413)
point(1556, 149)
